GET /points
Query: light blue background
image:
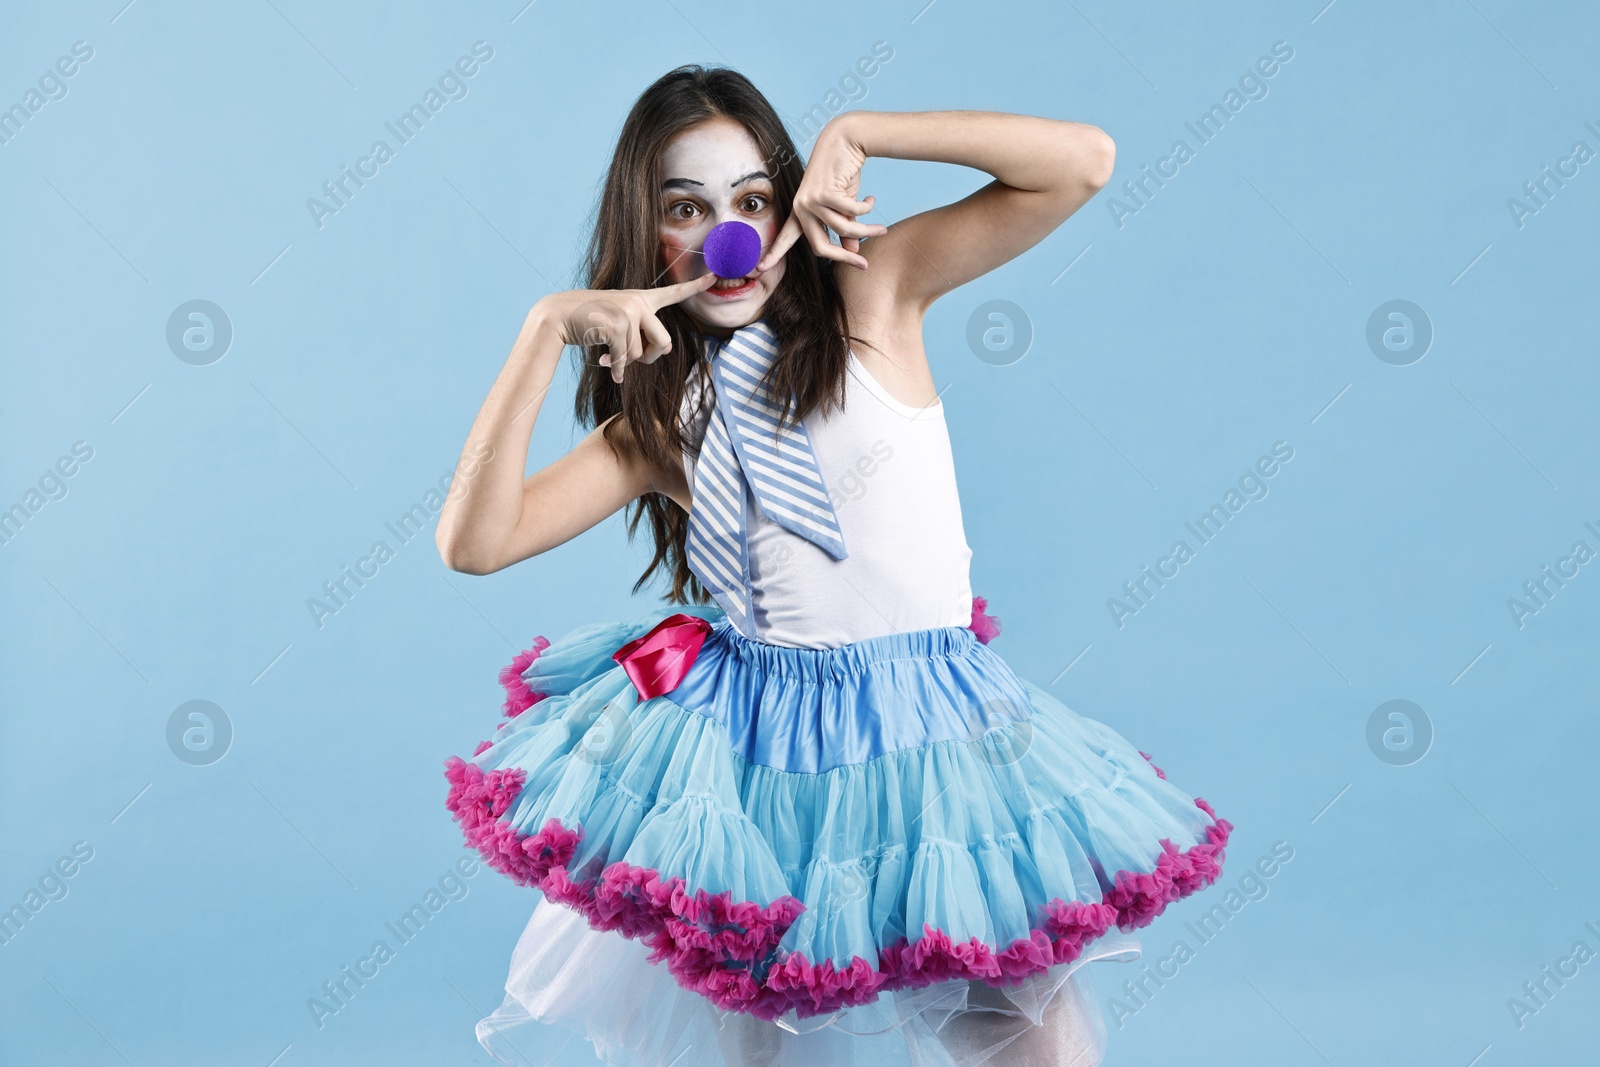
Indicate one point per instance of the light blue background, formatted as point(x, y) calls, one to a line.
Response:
point(1227, 314)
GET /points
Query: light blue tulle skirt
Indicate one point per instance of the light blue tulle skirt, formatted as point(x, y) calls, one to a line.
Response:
point(856, 844)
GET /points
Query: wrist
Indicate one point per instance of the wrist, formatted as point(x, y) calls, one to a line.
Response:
point(852, 127)
point(542, 329)
point(538, 315)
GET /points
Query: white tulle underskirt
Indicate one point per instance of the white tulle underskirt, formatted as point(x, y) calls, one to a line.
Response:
point(569, 983)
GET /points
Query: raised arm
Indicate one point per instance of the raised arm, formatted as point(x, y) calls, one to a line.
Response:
point(1044, 170)
point(493, 516)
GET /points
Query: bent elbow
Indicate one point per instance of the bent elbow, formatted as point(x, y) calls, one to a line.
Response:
point(463, 566)
point(1099, 158)
point(453, 557)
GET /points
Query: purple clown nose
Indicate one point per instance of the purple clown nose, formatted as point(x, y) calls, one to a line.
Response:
point(732, 249)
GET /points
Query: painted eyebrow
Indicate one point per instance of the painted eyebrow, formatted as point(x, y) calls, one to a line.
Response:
point(688, 183)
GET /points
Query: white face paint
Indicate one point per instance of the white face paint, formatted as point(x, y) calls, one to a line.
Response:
point(713, 172)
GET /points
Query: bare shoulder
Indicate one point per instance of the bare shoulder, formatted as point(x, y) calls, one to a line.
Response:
point(889, 327)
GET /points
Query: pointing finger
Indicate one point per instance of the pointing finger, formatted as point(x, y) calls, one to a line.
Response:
point(781, 244)
point(664, 295)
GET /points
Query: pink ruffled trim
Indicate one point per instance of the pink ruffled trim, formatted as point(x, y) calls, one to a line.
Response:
point(1159, 772)
point(727, 950)
point(519, 698)
point(986, 627)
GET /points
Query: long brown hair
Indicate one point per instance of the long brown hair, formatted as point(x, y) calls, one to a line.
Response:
point(806, 310)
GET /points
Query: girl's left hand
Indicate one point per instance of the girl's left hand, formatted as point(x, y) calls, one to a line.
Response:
point(827, 200)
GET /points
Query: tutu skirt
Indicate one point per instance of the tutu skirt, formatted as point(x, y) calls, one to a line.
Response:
point(816, 855)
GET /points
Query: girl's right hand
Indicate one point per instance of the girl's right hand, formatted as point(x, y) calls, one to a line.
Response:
point(624, 320)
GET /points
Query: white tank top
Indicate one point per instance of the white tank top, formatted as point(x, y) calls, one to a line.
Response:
point(892, 480)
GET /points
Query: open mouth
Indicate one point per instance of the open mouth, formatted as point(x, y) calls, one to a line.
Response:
point(729, 287)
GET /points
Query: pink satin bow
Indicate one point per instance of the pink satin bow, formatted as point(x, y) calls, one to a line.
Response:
point(658, 661)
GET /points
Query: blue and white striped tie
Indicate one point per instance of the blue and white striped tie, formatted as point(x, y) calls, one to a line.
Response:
point(743, 452)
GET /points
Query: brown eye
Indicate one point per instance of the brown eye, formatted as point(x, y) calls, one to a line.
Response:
point(755, 199)
point(675, 213)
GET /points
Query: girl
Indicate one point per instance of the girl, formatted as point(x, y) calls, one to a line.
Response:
point(810, 817)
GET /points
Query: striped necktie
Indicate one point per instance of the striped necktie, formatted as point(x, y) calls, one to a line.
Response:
point(742, 455)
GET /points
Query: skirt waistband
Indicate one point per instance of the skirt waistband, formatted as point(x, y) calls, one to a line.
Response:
point(820, 664)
